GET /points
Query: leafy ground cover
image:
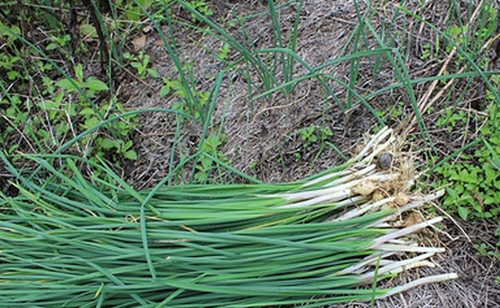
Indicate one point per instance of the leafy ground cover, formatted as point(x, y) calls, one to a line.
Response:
point(252, 91)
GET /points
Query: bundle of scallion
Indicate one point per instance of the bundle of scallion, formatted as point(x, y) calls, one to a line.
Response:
point(71, 242)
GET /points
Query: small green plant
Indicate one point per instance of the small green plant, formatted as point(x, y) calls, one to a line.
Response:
point(486, 250)
point(393, 112)
point(312, 134)
point(312, 137)
point(253, 165)
point(201, 6)
point(175, 87)
point(58, 42)
point(205, 164)
point(115, 141)
point(426, 51)
point(89, 85)
point(224, 52)
point(13, 112)
point(7, 63)
point(452, 118)
point(308, 135)
point(118, 147)
point(9, 32)
point(141, 62)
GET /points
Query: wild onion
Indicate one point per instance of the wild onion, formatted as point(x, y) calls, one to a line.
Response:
point(68, 241)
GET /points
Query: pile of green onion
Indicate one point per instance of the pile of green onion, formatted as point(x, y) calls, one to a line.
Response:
point(66, 241)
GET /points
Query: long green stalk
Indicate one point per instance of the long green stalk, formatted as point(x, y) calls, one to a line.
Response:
point(71, 242)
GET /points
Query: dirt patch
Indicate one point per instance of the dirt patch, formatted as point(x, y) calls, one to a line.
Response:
point(261, 133)
point(264, 134)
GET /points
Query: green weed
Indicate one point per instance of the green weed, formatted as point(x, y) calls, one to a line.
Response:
point(211, 146)
point(313, 137)
point(472, 182)
point(175, 88)
point(48, 104)
point(313, 134)
point(141, 62)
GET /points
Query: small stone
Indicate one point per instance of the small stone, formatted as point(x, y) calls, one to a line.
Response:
point(384, 161)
